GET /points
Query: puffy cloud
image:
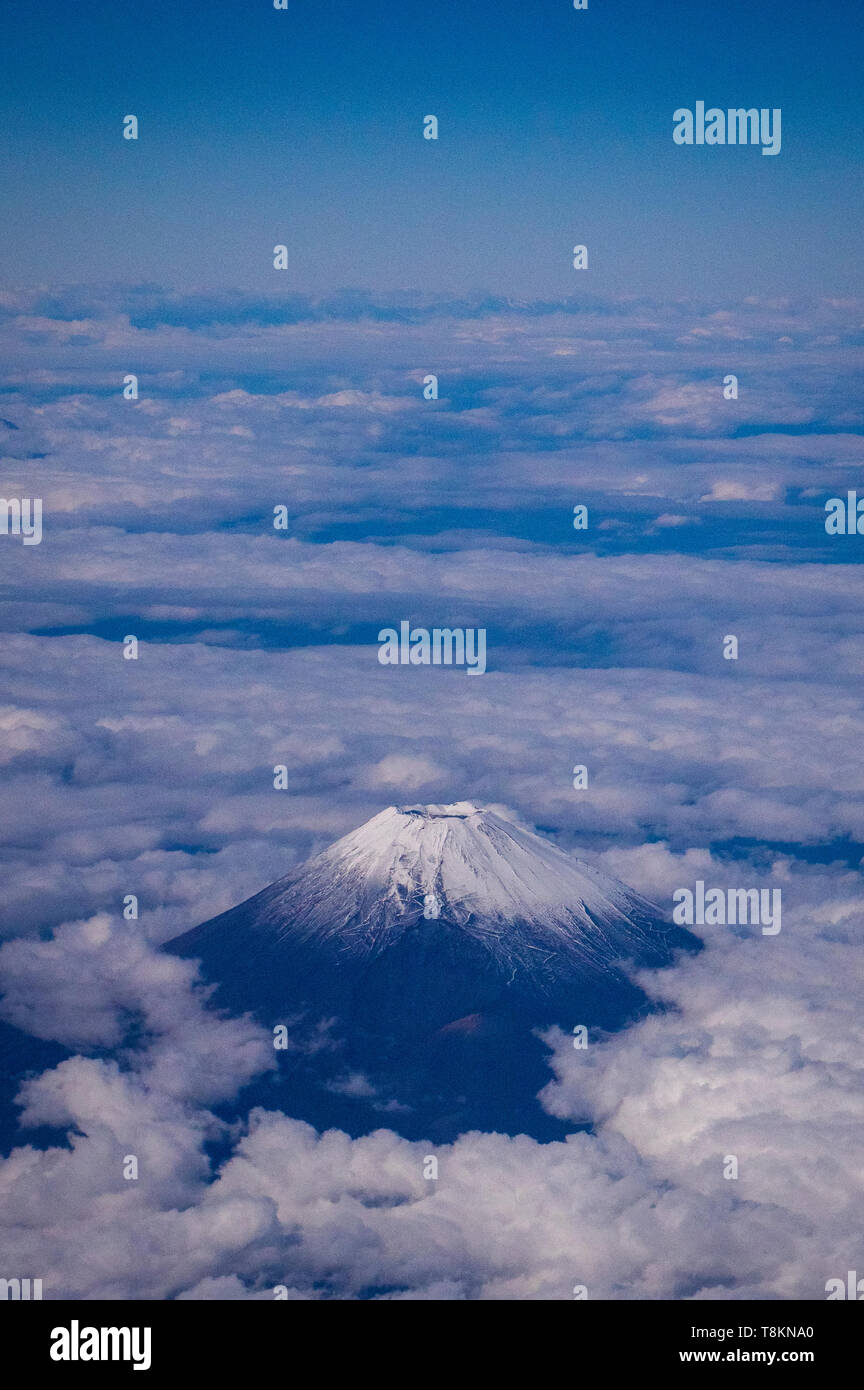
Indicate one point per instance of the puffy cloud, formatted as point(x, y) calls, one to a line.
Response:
point(96, 984)
point(759, 1058)
point(95, 817)
point(737, 490)
point(405, 771)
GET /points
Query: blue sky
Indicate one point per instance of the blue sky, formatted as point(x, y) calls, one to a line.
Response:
point(304, 127)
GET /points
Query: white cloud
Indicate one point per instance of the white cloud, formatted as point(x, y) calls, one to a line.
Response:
point(155, 778)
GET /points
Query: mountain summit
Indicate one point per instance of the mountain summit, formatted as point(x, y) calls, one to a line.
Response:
point(413, 960)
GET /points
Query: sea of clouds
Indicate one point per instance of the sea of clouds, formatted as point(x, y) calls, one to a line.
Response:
point(258, 648)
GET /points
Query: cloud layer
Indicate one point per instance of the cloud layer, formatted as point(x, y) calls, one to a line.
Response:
point(258, 648)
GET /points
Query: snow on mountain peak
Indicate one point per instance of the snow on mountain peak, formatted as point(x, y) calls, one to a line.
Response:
point(422, 951)
point(466, 867)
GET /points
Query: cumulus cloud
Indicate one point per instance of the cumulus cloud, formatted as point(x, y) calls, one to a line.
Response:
point(756, 1056)
point(97, 983)
point(760, 1059)
point(738, 490)
point(734, 755)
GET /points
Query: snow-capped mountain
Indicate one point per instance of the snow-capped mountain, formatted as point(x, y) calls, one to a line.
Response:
point(413, 960)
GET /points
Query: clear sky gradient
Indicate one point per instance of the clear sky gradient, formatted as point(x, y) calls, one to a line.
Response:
point(304, 126)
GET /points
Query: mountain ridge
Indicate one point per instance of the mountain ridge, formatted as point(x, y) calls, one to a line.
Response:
point(434, 941)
